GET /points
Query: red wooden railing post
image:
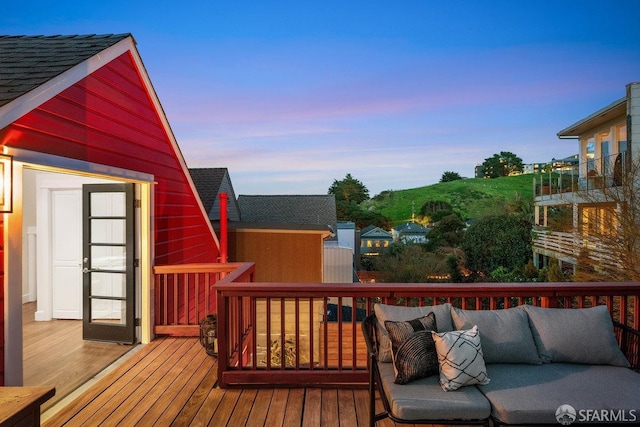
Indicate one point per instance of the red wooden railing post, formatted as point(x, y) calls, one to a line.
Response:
point(223, 228)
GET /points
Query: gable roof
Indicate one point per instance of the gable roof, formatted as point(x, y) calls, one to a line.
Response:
point(27, 62)
point(296, 210)
point(210, 182)
point(615, 109)
point(373, 231)
point(411, 228)
point(92, 105)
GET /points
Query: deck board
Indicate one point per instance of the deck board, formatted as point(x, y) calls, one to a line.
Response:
point(241, 413)
point(260, 407)
point(171, 382)
point(54, 354)
point(312, 406)
point(295, 405)
point(275, 416)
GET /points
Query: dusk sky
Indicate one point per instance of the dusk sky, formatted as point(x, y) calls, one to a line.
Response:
point(290, 95)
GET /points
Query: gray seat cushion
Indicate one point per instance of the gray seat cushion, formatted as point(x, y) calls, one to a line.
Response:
point(531, 394)
point(424, 399)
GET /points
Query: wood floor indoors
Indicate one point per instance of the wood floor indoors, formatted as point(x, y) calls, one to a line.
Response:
point(55, 354)
point(172, 382)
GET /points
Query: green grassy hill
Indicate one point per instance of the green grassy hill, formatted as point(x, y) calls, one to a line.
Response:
point(469, 197)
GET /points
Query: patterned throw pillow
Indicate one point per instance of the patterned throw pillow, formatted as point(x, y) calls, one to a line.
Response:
point(460, 358)
point(413, 349)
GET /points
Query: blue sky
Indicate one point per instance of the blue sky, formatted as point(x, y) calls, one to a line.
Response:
point(290, 95)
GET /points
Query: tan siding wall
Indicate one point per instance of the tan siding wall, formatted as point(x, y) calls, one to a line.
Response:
point(280, 256)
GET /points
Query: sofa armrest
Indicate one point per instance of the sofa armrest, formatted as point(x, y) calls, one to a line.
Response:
point(369, 331)
point(629, 342)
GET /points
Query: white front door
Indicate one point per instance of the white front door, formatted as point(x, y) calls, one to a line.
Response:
point(66, 245)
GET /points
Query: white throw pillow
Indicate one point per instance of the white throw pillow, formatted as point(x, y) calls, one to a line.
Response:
point(460, 358)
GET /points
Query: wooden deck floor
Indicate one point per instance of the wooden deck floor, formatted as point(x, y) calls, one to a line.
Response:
point(56, 355)
point(172, 382)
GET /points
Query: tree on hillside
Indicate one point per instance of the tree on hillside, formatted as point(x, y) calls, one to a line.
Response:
point(434, 210)
point(350, 193)
point(448, 232)
point(502, 164)
point(449, 176)
point(361, 217)
point(493, 241)
point(349, 190)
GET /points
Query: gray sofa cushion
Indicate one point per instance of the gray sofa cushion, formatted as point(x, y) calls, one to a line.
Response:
point(394, 313)
point(505, 334)
point(424, 399)
point(531, 394)
point(575, 335)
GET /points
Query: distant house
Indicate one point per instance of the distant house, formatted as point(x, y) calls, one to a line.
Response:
point(317, 210)
point(478, 171)
point(374, 241)
point(285, 236)
point(567, 164)
point(347, 234)
point(533, 167)
point(600, 170)
point(410, 233)
point(210, 182)
point(341, 255)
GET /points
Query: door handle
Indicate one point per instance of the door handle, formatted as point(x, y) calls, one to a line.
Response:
point(89, 270)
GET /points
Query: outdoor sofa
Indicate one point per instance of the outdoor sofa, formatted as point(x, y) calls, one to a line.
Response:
point(531, 365)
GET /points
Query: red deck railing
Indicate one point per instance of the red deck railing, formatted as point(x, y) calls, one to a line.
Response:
point(184, 294)
point(285, 334)
point(282, 334)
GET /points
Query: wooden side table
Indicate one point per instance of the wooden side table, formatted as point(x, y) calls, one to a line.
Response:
point(20, 406)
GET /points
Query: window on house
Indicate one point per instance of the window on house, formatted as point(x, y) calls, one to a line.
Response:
point(622, 139)
point(599, 221)
point(369, 244)
point(386, 243)
point(590, 154)
point(377, 243)
point(607, 165)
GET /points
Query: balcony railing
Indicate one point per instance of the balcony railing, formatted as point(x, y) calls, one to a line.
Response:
point(184, 294)
point(594, 174)
point(567, 246)
point(309, 334)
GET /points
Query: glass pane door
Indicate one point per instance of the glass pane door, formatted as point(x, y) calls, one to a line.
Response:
point(108, 258)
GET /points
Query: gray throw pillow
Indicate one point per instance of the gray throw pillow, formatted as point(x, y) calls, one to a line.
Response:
point(414, 351)
point(575, 335)
point(505, 334)
point(395, 313)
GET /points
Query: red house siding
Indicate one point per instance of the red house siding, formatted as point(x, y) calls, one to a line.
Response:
point(2, 306)
point(109, 118)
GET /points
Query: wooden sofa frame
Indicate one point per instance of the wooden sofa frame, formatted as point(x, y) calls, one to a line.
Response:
point(628, 340)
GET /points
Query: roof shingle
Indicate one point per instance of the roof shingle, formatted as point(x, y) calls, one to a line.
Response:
point(317, 210)
point(27, 62)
